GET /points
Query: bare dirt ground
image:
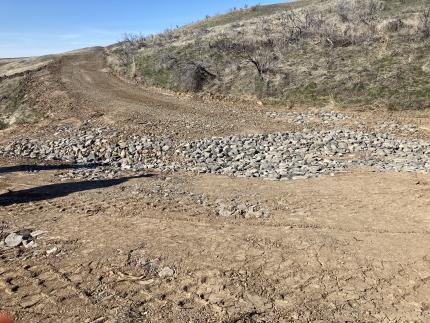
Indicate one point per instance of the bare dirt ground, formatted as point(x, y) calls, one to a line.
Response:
point(349, 247)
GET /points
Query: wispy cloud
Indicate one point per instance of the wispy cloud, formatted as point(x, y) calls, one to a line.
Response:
point(70, 36)
point(33, 43)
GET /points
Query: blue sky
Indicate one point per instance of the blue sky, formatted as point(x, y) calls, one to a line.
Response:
point(38, 27)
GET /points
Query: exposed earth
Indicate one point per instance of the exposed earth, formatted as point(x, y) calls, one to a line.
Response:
point(191, 228)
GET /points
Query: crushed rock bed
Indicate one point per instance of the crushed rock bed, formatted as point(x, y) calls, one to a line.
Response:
point(96, 146)
point(307, 154)
point(304, 117)
point(277, 156)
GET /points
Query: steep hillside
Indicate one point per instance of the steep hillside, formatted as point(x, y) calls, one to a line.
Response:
point(15, 79)
point(347, 53)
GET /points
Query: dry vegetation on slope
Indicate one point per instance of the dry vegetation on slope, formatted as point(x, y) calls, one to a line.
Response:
point(16, 106)
point(349, 53)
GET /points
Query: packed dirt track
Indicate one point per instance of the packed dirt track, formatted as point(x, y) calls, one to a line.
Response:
point(175, 242)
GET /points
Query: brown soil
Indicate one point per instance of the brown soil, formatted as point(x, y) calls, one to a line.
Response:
point(349, 247)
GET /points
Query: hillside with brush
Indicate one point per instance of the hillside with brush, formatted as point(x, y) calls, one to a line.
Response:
point(358, 54)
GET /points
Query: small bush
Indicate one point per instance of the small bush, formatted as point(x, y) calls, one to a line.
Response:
point(189, 74)
point(194, 76)
point(256, 7)
point(394, 26)
point(344, 9)
point(259, 53)
point(3, 125)
point(373, 7)
point(424, 25)
point(297, 27)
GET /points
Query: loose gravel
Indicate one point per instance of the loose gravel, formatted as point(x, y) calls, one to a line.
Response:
point(304, 117)
point(276, 156)
point(307, 154)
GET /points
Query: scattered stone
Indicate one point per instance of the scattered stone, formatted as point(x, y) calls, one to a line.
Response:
point(31, 244)
point(397, 128)
point(150, 265)
point(304, 117)
point(37, 233)
point(30, 301)
point(166, 272)
point(52, 251)
point(13, 240)
point(25, 234)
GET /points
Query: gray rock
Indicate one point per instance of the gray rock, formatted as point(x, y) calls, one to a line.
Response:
point(166, 272)
point(52, 251)
point(13, 240)
point(37, 233)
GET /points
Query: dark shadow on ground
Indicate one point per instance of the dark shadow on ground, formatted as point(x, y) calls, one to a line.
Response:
point(36, 168)
point(52, 191)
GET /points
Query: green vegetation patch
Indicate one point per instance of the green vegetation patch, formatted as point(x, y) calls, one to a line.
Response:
point(3, 125)
point(148, 67)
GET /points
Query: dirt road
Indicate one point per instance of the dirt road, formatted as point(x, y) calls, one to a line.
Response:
point(112, 101)
point(348, 247)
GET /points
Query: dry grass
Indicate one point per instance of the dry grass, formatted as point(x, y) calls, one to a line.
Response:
point(359, 53)
point(14, 105)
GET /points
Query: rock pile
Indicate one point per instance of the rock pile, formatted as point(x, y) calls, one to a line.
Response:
point(25, 237)
point(395, 127)
point(303, 117)
point(91, 173)
point(277, 156)
point(306, 154)
point(96, 146)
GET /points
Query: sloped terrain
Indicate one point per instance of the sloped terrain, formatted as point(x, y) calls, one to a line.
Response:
point(124, 202)
point(352, 54)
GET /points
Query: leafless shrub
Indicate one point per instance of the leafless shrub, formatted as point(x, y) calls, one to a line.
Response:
point(344, 9)
point(264, 27)
point(373, 7)
point(133, 39)
point(129, 44)
point(259, 53)
point(310, 25)
point(298, 26)
point(256, 7)
point(395, 25)
point(367, 11)
point(332, 36)
point(195, 75)
point(424, 25)
point(292, 26)
point(191, 74)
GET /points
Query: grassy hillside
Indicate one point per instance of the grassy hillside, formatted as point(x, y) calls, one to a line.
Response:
point(348, 53)
point(15, 107)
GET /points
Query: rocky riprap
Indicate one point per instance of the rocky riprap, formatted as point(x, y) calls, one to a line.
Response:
point(277, 156)
point(96, 172)
point(302, 155)
point(97, 146)
point(303, 117)
point(395, 127)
